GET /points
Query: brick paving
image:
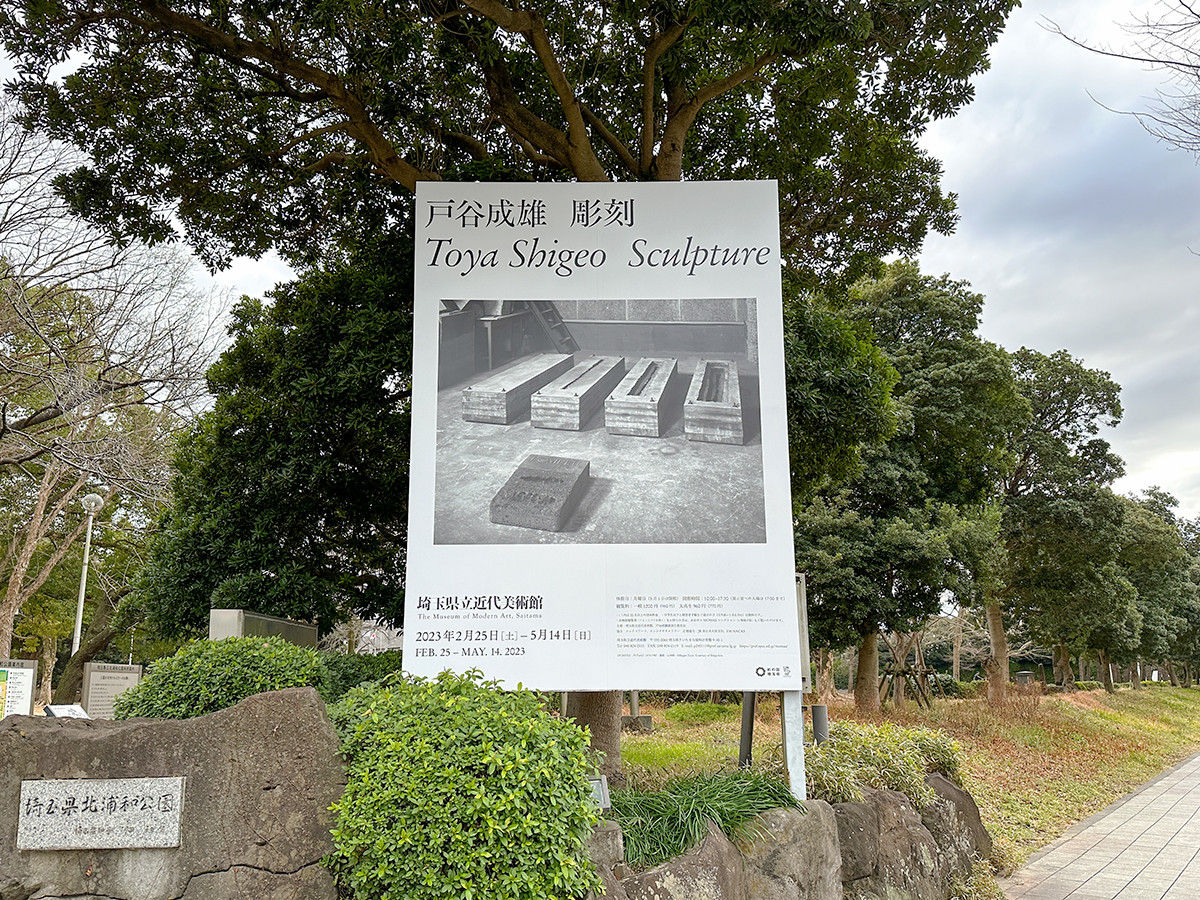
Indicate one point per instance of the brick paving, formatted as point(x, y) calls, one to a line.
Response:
point(1145, 846)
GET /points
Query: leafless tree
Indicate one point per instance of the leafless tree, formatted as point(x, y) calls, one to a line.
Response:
point(1166, 39)
point(102, 352)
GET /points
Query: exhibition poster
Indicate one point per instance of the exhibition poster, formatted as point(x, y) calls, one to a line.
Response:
point(599, 468)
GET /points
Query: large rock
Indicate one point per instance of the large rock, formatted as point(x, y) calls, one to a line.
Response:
point(795, 855)
point(907, 864)
point(711, 871)
point(858, 837)
point(966, 826)
point(259, 780)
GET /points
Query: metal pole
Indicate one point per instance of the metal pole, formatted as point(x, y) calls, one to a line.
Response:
point(91, 503)
point(792, 708)
point(633, 705)
point(746, 747)
point(820, 720)
point(87, 552)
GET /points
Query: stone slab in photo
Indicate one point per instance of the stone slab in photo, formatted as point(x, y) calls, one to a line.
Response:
point(542, 493)
point(569, 401)
point(712, 409)
point(638, 405)
point(99, 813)
point(503, 398)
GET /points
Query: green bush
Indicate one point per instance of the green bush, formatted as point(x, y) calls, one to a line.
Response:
point(206, 676)
point(701, 713)
point(879, 756)
point(1088, 685)
point(349, 670)
point(660, 825)
point(957, 689)
point(456, 789)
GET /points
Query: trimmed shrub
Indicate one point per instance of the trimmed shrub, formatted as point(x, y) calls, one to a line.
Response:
point(879, 756)
point(660, 825)
point(206, 676)
point(349, 670)
point(456, 789)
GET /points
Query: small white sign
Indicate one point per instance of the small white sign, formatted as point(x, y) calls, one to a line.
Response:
point(67, 711)
point(103, 683)
point(100, 813)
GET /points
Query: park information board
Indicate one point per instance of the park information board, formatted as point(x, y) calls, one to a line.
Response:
point(599, 470)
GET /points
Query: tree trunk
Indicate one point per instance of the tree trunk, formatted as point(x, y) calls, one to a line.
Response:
point(1170, 667)
point(600, 713)
point(93, 642)
point(1135, 675)
point(1063, 673)
point(866, 681)
point(956, 657)
point(1105, 672)
point(1082, 667)
point(1187, 675)
point(851, 669)
point(46, 658)
point(996, 665)
point(825, 686)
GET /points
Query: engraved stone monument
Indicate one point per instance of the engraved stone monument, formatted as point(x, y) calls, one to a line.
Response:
point(103, 683)
point(99, 813)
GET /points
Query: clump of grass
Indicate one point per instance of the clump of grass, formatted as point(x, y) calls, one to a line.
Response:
point(702, 713)
point(660, 825)
point(884, 756)
point(980, 885)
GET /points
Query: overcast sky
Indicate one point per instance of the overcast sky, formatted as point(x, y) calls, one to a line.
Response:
point(1079, 228)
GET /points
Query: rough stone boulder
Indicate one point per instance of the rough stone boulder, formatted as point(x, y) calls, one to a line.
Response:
point(259, 780)
point(794, 855)
point(891, 850)
point(711, 871)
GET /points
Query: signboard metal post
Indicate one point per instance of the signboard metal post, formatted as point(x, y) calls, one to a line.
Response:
point(792, 705)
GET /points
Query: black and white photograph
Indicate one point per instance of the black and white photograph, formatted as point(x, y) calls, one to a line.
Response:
point(614, 421)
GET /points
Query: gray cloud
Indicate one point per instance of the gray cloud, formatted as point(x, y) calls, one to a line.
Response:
point(1079, 227)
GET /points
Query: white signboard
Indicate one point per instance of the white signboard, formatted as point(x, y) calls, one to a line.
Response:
point(599, 473)
point(17, 679)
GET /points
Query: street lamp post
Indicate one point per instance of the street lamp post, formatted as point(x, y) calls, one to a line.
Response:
point(91, 503)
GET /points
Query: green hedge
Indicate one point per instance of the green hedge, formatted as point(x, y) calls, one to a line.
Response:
point(456, 789)
point(349, 670)
point(206, 676)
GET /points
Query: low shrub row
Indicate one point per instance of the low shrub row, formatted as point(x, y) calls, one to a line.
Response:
point(456, 788)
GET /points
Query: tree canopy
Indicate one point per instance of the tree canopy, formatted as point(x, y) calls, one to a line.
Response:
point(294, 124)
point(291, 493)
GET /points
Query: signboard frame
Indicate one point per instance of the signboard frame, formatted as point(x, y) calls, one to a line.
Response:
point(605, 603)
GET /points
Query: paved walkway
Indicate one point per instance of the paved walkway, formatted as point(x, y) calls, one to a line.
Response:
point(1145, 846)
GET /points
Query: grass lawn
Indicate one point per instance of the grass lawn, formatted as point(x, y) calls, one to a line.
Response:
point(1035, 766)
